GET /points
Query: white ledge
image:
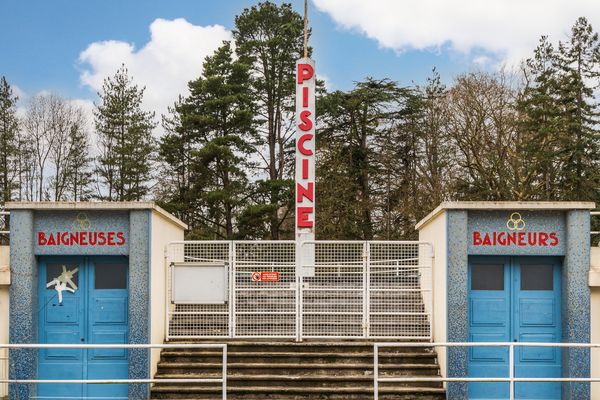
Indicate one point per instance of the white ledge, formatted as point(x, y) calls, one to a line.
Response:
point(505, 205)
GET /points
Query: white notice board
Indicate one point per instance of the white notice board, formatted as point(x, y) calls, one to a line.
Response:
point(199, 283)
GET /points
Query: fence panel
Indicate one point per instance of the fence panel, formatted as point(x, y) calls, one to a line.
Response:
point(265, 307)
point(356, 289)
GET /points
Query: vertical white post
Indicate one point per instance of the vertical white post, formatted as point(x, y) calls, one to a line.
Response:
point(511, 371)
point(224, 372)
point(168, 284)
point(232, 286)
point(299, 275)
point(366, 288)
point(376, 371)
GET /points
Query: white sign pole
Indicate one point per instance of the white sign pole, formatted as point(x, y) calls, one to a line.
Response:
point(305, 164)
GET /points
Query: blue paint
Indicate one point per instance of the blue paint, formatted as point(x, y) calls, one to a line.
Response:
point(489, 321)
point(519, 313)
point(92, 315)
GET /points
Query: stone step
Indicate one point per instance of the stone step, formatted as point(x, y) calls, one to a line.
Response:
point(243, 380)
point(325, 368)
point(274, 356)
point(288, 393)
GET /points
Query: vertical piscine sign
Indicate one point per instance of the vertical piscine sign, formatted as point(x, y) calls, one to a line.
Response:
point(305, 164)
point(305, 149)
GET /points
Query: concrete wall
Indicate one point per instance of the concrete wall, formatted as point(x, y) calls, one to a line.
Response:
point(163, 231)
point(435, 233)
point(4, 284)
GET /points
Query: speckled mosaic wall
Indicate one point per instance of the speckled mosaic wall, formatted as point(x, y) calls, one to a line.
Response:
point(534, 224)
point(576, 304)
point(573, 228)
point(95, 223)
point(24, 290)
point(457, 301)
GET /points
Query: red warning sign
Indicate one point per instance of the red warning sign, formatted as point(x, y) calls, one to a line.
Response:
point(265, 276)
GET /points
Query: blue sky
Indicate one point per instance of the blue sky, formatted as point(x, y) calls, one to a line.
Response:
point(42, 42)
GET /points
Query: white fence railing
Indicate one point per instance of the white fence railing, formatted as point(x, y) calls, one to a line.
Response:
point(346, 289)
point(3, 372)
point(4, 230)
point(510, 379)
point(222, 380)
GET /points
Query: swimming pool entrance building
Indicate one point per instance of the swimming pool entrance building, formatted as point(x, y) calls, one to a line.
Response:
point(85, 273)
point(110, 273)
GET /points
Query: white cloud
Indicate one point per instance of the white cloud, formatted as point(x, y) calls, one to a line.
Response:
point(481, 61)
point(173, 56)
point(509, 29)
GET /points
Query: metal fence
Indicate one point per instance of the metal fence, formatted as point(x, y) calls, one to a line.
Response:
point(4, 229)
point(3, 372)
point(348, 289)
point(510, 379)
point(222, 380)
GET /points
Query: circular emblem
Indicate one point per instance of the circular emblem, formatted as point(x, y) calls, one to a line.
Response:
point(81, 223)
point(515, 222)
point(256, 277)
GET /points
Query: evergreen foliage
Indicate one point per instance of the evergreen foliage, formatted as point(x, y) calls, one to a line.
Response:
point(126, 144)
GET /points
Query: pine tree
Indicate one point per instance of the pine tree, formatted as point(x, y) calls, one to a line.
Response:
point(269, 38)
point(539, 126)
point(577, 62)
point(125, 138)
point(79, 174)
point(216, 128)
point(362, 148)
point(8, 140)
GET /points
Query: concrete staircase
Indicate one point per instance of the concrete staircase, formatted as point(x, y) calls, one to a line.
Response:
point(281, 370)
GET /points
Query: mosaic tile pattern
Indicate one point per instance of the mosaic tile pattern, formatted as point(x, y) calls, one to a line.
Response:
point(457, 301)
point(575, 303)
point(139, 300)
point(92, 221)
point(23, 291)
point(495, 221)
point(23, 303)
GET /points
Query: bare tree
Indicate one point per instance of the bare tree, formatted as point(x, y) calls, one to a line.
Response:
point(52, 137)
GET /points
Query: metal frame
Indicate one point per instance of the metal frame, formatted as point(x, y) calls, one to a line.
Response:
point(4, 214)
point(511, 379)
point(359, 289)
point(222, 380)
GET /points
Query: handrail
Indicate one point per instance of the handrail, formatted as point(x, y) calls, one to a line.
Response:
point(511, 379)
point(222, 346)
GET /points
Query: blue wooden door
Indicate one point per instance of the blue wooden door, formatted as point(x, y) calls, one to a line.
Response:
point(96, 313)
point(537, 319)
point(489, 321)
point(61, 322)
point(514, 299)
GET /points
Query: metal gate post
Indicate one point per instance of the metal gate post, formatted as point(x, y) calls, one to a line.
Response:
point(299, 284)
point(232, 285)
point(366, 288)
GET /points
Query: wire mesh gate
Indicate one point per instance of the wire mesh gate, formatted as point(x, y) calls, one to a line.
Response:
point(350, 289)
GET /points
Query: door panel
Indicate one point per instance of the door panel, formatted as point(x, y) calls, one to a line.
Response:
point(96, 313)
point(60, 323)
point(521, 304)
point(489, 321)
point(537, 319)
point(108, 324)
